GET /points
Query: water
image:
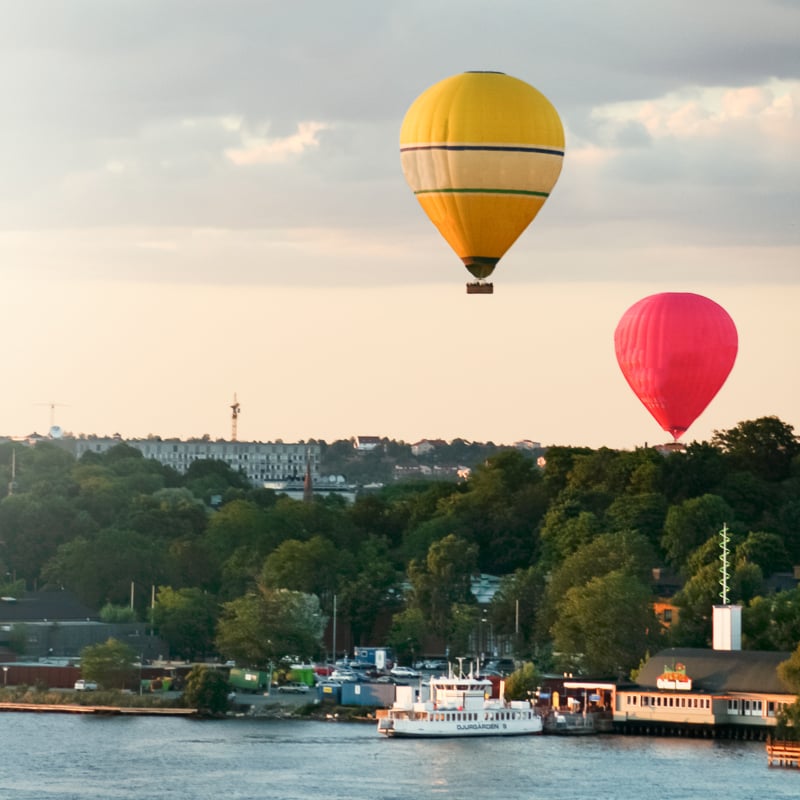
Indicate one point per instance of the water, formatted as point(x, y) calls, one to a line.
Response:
point(66, 757)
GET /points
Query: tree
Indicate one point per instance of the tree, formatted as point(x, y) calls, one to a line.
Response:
point(499, 511)
point(691, 523)
point(789, 671)
point(267, 625)
point(444, 579)
point(371, 590)
point(625, 550)
point(766, 550)
point(407, 634)
point(515, 607)
point(644, 513)
point(117, 614)
point(31, 530)
point(606, 626)
point(522, 683)
point(772, 622)
point(101, 569)
point(312, 567)
point(111, 664)
point(185, 619)
point(789, 716)
point(765, 447)
point(206, 690)
point(568, 525)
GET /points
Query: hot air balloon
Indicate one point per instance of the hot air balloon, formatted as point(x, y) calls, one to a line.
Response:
point(676, 350)
point(482, 152)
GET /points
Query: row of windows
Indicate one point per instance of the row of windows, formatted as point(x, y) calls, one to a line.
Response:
point(754, 708)
point(487, 716)
point(669, 701)
point(735, 705)
point(184, 456)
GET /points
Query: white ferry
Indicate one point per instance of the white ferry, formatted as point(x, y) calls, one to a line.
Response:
point(457, 706)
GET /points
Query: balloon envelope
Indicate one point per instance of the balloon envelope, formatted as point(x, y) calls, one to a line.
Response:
point(676, 350)
point(482, 152)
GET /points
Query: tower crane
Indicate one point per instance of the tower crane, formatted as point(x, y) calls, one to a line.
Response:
point(235, 407)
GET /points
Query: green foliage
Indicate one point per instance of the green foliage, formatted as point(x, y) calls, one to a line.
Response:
point(522, 683)
point(372, 590)
point(766, 550)
point(206, 690)
point(267, 625)
point(312, 567)
point(96, 525)
point(789, 671)
point(691, 523)
point(764, 446)
point(111, 664)
point(772, 622)
point(443, 580)
point(117, 614)
point(627, 551)
point(605, 627)
point(185, 619)
point(788, 727)
point(515, 608)
point(407, 634)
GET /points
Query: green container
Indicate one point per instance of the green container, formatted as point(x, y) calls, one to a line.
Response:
point(248, 680)
point(303, 673)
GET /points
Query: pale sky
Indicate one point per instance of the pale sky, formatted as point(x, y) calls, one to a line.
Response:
point(202, 197)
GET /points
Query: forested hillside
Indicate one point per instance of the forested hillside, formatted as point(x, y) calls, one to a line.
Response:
point(576, 542)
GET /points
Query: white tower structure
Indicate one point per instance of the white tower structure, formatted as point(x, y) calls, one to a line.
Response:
point(727, 619)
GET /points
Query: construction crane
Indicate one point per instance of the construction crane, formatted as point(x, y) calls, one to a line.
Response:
point(52, 404)
point(234, 416)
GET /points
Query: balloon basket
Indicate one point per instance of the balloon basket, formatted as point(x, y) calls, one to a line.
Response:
point(480, 288)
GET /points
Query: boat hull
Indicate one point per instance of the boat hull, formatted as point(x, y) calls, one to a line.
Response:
point(419, 733)
point(436, 729)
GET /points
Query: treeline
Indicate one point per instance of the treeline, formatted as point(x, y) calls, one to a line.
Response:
point(576, 542)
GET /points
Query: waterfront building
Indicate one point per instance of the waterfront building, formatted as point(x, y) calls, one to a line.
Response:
point(723, 691)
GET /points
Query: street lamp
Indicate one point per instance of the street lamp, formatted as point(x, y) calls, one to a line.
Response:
point(5, 677)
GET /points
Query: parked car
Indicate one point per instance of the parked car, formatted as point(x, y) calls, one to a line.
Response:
point(404, 672)
point(82, 685)
point(294, 687)
point(344, 676)
point(505, 666)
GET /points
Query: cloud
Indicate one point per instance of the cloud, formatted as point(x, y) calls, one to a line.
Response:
point(773, 109)
point(277, 150)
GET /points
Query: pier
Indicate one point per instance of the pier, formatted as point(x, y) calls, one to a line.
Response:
point(781, 753)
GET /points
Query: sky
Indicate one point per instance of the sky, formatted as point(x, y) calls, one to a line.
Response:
point(202, 198)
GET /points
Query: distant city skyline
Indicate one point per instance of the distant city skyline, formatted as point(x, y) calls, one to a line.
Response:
point(197, 205)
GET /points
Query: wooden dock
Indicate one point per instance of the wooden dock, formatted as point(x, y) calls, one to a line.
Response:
point(71, 708)
point(781, 753)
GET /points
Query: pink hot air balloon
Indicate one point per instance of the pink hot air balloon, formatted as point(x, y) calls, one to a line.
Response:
point(675, 350)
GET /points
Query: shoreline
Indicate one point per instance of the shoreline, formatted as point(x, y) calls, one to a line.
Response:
point(74, 708)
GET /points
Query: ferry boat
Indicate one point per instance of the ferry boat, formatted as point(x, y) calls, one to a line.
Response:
point(457, 706)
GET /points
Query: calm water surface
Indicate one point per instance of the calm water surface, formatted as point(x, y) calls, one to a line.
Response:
point(66, 757)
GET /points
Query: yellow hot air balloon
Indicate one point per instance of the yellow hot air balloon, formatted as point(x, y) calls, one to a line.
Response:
point(482, 152)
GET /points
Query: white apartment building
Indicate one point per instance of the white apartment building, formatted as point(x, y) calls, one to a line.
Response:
point(260, 461)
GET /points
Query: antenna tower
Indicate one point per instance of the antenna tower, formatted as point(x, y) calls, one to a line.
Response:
point(724, 540)
point(235, 408)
